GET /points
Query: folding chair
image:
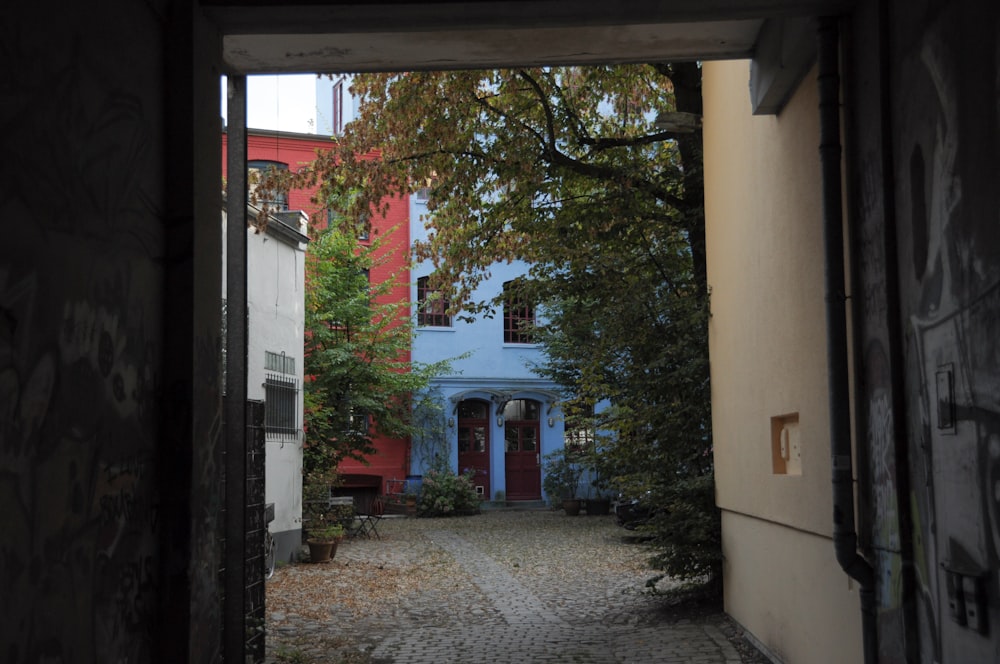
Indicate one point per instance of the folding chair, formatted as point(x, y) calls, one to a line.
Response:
point(369, 519)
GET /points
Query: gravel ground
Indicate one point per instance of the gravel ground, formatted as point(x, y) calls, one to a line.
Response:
point(584, 567)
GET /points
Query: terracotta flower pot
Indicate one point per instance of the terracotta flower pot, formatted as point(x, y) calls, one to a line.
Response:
point(321, 551)
point(571, 506)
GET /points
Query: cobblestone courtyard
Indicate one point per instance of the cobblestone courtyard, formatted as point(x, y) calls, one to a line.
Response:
point(504, 586)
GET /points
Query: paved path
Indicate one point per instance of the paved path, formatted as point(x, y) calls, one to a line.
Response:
point(490, 615)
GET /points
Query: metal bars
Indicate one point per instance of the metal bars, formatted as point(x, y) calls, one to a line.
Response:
point(281, 396)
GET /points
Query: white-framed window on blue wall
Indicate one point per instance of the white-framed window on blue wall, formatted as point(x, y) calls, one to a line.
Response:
point(432, 306)
point(578, 437)
point(518, 315)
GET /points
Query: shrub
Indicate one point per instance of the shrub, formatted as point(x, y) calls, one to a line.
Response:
point(562, 475)
point(329, 532)
point(447, 494)
point(687, 532)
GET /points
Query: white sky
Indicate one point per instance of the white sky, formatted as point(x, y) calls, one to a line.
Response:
point(285, 103)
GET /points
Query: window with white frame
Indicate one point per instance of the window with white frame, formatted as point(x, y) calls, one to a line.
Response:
point(518, 316)
point(432, 306)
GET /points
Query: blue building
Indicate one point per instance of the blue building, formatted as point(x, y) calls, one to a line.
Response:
point(500, 418)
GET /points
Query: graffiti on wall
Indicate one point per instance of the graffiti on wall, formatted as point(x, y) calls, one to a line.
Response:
point(940, 512)
point(80, 350)
point(882, 528)
point(950, 282)
point(76, 467)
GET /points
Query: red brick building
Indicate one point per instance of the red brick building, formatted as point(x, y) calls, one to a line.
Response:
point(296, 151)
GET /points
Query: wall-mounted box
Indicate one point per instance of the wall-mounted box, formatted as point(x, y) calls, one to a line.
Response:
point(786, 449)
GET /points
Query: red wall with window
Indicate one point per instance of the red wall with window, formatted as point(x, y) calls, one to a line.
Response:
point(391, 460)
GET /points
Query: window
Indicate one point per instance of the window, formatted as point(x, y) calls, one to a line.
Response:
point(280, 394)
point(473, 427)
point(473, 409)
point(521, 418)
point(578, 438)
point(279, 362)
point(522, 410)
point(281, 389)
point(338, 108)
point(275, 200)
point(361, 423)
point(518, 316)
point(432, 307)
point(338, 218)
point(423, 192)
point(471, 438)
point(364, 228)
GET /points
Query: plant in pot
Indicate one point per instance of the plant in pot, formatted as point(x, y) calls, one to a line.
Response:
point(323, 525)
point(410, 500)
point(323, 539)
point(562, 480)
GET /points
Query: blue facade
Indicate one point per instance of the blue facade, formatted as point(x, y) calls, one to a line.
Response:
point(493, 376)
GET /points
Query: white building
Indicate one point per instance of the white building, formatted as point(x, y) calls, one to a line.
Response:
point(275, 309)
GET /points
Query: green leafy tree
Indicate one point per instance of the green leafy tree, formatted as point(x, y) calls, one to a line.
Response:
point(567, 169)
point(627, 323)
point(359, 381)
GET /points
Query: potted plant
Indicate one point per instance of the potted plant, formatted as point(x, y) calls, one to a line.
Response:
point(562, 480)
point(323, 539)
point(410, 500)
point(323, 525)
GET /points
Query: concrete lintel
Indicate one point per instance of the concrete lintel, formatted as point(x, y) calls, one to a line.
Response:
point(786, 49)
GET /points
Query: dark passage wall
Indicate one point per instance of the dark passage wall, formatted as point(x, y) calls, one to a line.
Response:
point(88, 279)
point(947, 159)
point(81, 334)
point(928, 207)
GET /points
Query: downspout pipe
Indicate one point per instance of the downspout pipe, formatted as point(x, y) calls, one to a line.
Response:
point(845, 538)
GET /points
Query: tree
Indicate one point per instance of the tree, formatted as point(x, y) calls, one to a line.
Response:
point(565, 168)
point(520, 161)
point(359, 381)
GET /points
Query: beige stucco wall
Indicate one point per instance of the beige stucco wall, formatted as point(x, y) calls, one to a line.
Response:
point(767, 346)
point(786, 588)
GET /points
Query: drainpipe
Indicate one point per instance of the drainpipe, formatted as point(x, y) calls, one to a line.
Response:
point(845, 538)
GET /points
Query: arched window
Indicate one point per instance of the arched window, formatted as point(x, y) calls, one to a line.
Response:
point(521, 425)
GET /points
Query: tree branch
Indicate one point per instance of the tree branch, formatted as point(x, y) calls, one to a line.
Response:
point(558, 158)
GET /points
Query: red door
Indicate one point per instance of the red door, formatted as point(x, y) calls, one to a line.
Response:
point(521, 438)
point(474, 443)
